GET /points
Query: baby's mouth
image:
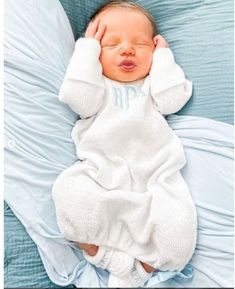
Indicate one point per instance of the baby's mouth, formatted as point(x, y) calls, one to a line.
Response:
point(127, 65)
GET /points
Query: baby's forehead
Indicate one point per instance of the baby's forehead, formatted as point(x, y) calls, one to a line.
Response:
point(118, 11)
point(132, 35)
point(120, 19)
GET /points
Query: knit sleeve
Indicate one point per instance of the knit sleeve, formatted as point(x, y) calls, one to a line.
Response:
point(83, 85)
point(168, 85)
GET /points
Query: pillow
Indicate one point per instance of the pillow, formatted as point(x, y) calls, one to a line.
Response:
point(200, 35)
point(38, 45)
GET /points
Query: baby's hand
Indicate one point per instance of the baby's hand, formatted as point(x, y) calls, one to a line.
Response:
point(160, 42)
point(95, 30)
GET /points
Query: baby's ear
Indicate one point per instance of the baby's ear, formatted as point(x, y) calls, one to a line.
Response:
point(156, 39)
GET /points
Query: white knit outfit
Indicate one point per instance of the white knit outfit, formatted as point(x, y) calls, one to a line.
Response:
point(127, 192)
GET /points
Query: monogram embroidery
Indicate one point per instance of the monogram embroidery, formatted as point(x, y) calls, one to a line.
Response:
point(125, 96)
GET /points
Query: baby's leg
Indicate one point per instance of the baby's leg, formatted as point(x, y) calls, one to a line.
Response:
point(90, 249)
point(147, 267)
point(77, 202)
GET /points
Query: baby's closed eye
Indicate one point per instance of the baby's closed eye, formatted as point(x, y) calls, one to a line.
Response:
point(142, 44)
point(109, 44)
point(109, 41)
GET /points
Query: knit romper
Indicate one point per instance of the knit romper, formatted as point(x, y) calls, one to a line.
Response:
point(126, 191)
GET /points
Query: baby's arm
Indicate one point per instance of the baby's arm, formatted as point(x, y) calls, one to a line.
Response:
point(168, 85)
point(83, 85)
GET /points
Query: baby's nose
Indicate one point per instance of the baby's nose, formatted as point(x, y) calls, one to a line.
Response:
point(127, 49)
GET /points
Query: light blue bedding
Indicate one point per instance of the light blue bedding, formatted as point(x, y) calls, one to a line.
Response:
point(38, 46)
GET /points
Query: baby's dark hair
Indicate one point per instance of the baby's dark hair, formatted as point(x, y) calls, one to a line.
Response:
point(130, 5)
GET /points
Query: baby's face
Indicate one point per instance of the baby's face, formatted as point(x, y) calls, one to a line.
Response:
point(127, 44)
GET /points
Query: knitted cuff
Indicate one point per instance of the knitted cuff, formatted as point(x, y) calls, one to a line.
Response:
point(120, 264)
point(115, 261)
point(138, 275)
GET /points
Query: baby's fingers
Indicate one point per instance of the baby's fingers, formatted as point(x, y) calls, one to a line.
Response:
point(100, 32)
point(92, 28)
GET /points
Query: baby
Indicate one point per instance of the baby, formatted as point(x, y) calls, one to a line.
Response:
point(125, 195)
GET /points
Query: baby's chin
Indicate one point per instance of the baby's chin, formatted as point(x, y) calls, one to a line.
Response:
point(125, 77)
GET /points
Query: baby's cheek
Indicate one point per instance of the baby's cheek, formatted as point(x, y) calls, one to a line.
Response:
point(103, 60)
point(106, 63)
point(105, 56)
point(147, 61)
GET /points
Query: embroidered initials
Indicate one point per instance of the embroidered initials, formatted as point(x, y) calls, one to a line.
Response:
point(123, 97)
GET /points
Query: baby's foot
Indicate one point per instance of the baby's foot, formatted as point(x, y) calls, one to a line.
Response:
point(115, 261)
point(136, 278)
point(117, 282)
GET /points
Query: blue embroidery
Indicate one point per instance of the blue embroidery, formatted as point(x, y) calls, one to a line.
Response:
point(124, 96)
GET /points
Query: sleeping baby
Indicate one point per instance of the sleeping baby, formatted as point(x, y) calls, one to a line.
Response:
point(125, 202)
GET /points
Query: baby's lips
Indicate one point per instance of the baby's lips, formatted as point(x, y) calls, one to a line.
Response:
point(127, 65)
point(127, 62)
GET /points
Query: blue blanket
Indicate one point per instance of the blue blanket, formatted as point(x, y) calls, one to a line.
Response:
point(208, 173)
